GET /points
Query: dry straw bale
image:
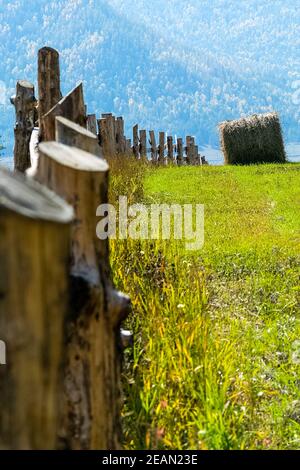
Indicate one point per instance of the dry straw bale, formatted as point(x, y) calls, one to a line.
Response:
point(254, 139)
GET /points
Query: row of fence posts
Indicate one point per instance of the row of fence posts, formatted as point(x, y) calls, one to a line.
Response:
point(112, 139)
point(60, 314)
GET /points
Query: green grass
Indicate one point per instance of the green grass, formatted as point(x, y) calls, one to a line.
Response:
point(216, 357)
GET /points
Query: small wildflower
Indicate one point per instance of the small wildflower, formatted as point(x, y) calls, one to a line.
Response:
point(164, 404)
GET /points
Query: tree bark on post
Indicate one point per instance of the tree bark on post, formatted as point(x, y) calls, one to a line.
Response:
point(48, 83)
point(71, 107)
point(170, 149)
point(72, 134)
point(161, 148)
point(120, 138)
point(91, 403)
point(179, 152)
point(189, 149)
point(107, 135)
point(34, 260)
point(92, 123)
point(25, 107)
point(143, 144)
point(196, 160)
point(153, 147)
point(135, 133)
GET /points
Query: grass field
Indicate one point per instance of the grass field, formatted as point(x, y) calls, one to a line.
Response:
point(216, 357)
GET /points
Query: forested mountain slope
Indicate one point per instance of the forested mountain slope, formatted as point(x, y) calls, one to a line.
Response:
point(180, 66)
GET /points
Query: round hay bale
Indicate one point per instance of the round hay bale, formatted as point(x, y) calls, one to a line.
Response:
point(254, 139)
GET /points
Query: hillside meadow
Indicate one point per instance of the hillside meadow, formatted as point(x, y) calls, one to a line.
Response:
point(216, 356)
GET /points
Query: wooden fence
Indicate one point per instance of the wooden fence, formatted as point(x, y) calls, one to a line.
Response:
point(60, 315)
point(110, 131)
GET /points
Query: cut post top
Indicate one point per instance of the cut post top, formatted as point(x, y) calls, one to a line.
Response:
point(65, 98)
point(30, 199)
point(25, 84)
point(76, 127)
point(73, 157)
point(48, 49)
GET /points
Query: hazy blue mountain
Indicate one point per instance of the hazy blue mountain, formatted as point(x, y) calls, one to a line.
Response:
point(179, 65)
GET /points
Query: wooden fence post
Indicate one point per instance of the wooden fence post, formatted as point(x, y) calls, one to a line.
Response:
point(196, 159)
point(189, 149)
point(107, 134)
point(91, 404)
point(153, 147)
point(179, 151)
point(91, 123)
point(72, 134)
point(161, 148)
point(135, 133)
point(143, 144)
point(48, 83)
point(34, 258)
point(71, 107)
point(120, 138)
point(170, 149)
point(25, 108)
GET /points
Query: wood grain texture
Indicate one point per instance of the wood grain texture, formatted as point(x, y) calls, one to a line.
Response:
point(153, 147)
point(170, 149)
point(91, 398)
point(48, 83)
point(91, 123)
point(71, 107)
point(143, 144)
point(161, 148)
point(120, 136)
point(25, 107)
point(70, 133)
point(107, 135)
point(179, 151)
point(135, 134)
point(34, 258)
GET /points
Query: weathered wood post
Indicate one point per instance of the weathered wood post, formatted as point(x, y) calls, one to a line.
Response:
point(196, 158)
point(48, 83)
point(161, 148)
point(72, 134)
point(91, 402)
point(71, 107)
point(170, 149)
point(103, 136)
point(189, 149)
point(153, 147)
point(25, 106)
point(91, 123)
point(143, 144)
point(107, 134)
point(179, 151)
point(34, 260)
point(135, 133)
point(111, 123)
point(120, 138)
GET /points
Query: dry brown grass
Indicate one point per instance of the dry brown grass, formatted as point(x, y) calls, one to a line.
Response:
point(126, 177)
